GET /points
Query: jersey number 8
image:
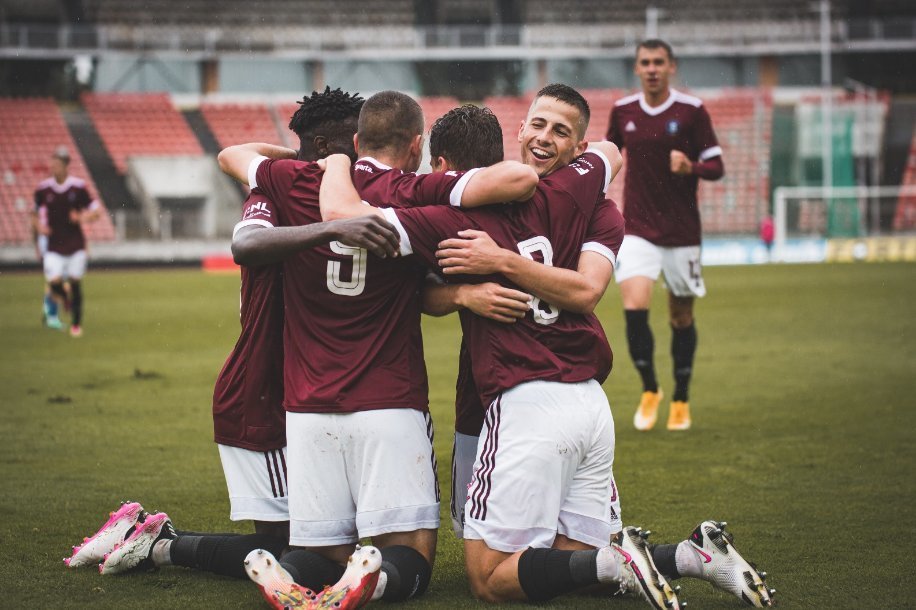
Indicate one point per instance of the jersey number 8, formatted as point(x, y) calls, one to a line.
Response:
point(544, 312)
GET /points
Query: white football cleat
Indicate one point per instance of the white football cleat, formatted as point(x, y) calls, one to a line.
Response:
point(725, 568)
point(638, 572)
point(115, 530)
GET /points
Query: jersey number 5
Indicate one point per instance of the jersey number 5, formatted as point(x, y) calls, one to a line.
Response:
point(544, 312)
point(357, 282)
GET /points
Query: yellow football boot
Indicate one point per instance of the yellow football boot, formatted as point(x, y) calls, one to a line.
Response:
point(647, 412)
point(679, 416)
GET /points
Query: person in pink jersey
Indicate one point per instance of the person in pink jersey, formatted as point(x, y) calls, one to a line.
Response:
point(670, 146)
point(355, 378)
point(548, 434)
point(62, 205)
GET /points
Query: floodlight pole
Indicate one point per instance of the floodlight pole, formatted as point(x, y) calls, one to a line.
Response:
point(652, 14)
point(826, 97)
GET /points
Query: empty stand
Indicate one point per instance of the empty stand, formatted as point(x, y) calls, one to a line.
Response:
point(140, 124)
point(239, 123)
point(30, 130)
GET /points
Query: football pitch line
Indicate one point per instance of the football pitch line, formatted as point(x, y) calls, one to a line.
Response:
point(802, 395)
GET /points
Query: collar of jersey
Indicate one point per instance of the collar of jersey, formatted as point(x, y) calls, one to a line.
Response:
point(60, 188)
point(672, 97)
point(374, 162)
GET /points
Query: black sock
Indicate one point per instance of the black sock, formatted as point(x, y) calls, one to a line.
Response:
point(546, 573)
point(221, 554)
point(642, 346)
point(683, 346)
point(190, 533)
point(664, 556)
point(311, 570)
point(76, 311)
point(408, 573)
point(58, 289)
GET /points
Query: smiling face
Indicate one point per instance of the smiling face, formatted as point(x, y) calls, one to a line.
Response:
point(551, 135)
point(654, 67)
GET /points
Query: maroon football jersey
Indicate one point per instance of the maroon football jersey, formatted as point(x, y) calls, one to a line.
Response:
point(547, 344)
point(660, 206)
point(248, 396)
point(352, 338)
point(605, 234)
point(54, 202)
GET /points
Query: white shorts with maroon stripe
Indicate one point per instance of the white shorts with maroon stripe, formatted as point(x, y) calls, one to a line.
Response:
point(681, 266)
point(357, 475)
point(257, 483)
point(544, 467)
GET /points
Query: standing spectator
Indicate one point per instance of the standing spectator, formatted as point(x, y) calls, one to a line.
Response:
point(671, 145)
point(63, 204)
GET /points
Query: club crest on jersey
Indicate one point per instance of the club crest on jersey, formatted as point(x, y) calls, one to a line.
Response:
point(631, 126)
point(672, 127)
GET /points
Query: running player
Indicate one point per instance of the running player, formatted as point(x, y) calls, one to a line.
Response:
point(671, 146)
point(63, 204)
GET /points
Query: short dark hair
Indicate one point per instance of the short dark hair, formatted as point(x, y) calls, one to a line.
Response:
point(389, 120)
point(568, 95)
point(656, 43)
point(332, 114)
point(467, 137)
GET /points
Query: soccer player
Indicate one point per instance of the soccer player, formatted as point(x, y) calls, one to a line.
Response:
point(670, 146)
point(249, 419)
point(63, 204)
point(355, 381)
point(548, 433)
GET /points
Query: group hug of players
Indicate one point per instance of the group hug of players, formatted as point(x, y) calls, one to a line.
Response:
point(321, 410)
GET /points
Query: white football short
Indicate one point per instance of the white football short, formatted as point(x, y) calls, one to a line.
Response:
point(69, 267)
point(357, 475)
point(641, 258)
point(544, 467)
point(464, 451)
point(256, 482)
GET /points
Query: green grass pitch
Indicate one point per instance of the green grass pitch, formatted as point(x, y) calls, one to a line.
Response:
point(804, 385)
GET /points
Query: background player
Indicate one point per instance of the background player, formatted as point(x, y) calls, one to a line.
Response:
point(670, 145)
point(63, 204)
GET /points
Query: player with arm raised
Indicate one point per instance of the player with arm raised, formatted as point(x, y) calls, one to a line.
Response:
point(670, 146)
point(541, 378)
point(363, 377)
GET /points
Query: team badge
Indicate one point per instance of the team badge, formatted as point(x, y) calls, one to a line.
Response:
point(672, 127)
point(631, 126)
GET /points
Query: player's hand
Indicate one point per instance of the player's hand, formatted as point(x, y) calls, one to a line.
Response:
point(475, 253)
point(75, 217)
point(44, 230)
point(373, 233)
point(680, 164)
point(339, 158)
point(490, 300)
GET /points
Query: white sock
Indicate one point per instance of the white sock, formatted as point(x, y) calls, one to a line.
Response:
point(162, 552)
point(608, 565)
point(380, 586)
point(688, 561)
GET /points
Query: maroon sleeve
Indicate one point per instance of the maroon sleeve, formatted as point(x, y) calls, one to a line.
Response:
point(613, 131)
point(583, 181)
point(258, 209)
point(83, 198)
point(427, 226)
point(606, 227)
point(274, 177)
point(704, 135)
point(412, 190)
